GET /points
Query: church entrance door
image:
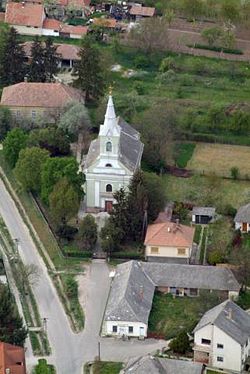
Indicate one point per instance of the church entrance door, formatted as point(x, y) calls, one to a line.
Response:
point(108, 206)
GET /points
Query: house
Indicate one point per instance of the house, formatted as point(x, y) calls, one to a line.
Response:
point(134, 283)
point(112, 160)
point(169, 242)
point(242, 219)
point(26, 18)
point(222, 337)
point(156, 365)
point(73, 32)
point(32, 100)
point(203, 215)
point(51, 27)
point(12, 359)
point(67, 53)
point(138, 11)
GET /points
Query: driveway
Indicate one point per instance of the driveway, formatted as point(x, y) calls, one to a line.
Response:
point(69, 350)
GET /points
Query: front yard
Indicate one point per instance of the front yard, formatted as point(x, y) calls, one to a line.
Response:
point(171, 315)
point(103, 367)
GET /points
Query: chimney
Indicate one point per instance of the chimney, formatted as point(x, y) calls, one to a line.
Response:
point(230, 313)
point(169, 229)
point(23, 4)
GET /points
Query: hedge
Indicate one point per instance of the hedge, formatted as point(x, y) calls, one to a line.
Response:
point(127, 255)
point(79, 254)
point(214, 138)
point(232, 51)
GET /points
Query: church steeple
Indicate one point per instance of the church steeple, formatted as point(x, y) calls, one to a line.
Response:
point(110, 126)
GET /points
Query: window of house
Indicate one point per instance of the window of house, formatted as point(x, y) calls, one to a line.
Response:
point(181, 251)
point(193, 291)
point(220, 346)
point(130, 329)
point(33, 114)
point(108, 188)
point(154, 250)
point(108, 166)
point(220, 359)
point(108, 147)
point(114, 328)
point(205, 341)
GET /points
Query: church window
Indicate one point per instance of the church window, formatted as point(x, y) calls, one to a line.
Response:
point(109, 188)
point(108, 166)
point(109, 147)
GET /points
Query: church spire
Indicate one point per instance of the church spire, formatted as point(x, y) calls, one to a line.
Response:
point(110, 126)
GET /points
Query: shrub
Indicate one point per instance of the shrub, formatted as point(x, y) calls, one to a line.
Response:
point(141, 62)
point(167, 63)
point(167, 77)
point(215, 257)
point(139, 88)
point(235, 173)
point(181, 343)
point(71, 287)
point(228, 210)
point(66, 232)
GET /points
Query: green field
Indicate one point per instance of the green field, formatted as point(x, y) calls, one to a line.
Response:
point(102, 367)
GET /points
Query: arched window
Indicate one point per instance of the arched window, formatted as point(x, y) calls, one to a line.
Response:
point(108, 188)
point(108, 166)
point(109, 147)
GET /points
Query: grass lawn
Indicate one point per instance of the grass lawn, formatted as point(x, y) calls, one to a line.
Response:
point(220, 158)
point(102, 367)
point(171, 315)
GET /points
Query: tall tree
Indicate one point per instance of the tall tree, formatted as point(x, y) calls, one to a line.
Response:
point(37, 67)
point(12, 59)
point(5, 121)
point(15, 140)
point(28, 167)
point(50, 138)
point(51, 59)
point(89, 72)
point(88, 232)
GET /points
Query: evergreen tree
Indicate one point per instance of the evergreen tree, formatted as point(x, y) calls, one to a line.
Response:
point(12, 59)
point(88, 232)
point(51, 59)
point(89, 71)
point(37, 68)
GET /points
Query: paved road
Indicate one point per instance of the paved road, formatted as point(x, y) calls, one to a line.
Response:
point(69, 350)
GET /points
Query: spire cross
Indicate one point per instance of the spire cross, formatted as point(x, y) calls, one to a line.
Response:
point(110, 90)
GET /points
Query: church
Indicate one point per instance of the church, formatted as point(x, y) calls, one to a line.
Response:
point(112, 160)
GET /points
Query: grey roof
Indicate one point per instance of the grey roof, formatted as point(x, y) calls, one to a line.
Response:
point(131, 294)
point(243, 214)
point(132, 289)
point(191, 276)
point(230, 318)
point(130, 147)
point(203, 211)
point(156, 365)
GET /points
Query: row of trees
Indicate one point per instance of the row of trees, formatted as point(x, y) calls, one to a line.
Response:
point(13, 62)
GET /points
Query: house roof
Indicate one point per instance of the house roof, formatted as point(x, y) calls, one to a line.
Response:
point(230, 318)
point(132, 289)
point(131, 294)
point(52, 24)
point(105, 22)
point(130, 146)
point(169, 234)
point(10, 357)
point(45, 95)
point(243, 214)
point(144, 11)
point(65, 51)
point(156, 365)
point(203, 211)
point(76, 30)
point(24, 14)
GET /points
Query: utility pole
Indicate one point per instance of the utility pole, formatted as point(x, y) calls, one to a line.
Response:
point(99, 351)
point(45, 320)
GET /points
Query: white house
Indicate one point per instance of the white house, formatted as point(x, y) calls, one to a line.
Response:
point(222, 337)
point(242, 218)
point(111, 161)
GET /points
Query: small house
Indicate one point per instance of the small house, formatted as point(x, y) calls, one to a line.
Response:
point(203, 215)
point(138, 11)
point(222, 337)
point(242, 219)
point(12, 359)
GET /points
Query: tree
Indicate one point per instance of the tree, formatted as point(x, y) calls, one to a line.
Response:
point(51, 60)
point(212, 35)
point(63, 201)
point(228, 39)
point(88, 232)
point(235, 173)
point(56, 168)
point(15, 140)
point(12, 329)
point(150, 35)
point(181, 343)
point(37, 66)
point(193, 8)
point(12, 59)
point(29, 166)
point(28, 275)
point(51, 138)
point(89, 71)
point(230, 10)
point(5, 122)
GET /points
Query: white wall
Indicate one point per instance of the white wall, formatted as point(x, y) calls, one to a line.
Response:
point(50, 32)
point(167, 252)
point(139, 329)
point(24, 30)
point(238, 226)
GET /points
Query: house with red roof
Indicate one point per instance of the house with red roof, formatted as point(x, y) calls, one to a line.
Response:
point(12, 359)
point(169, 242)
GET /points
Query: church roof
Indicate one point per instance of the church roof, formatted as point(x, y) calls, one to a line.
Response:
point(130, 146)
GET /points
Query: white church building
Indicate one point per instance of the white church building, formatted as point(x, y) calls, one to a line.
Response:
point(111, 161)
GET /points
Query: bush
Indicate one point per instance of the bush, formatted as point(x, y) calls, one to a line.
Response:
point(66, 232)
point(180, 344)
point(235, 173)
point(43, 367)
point(127, 255)
point(139, 88)
point(141, 62)
point(167, 77)
point(167, 63)
point(73, 252)
point(215, 257)
point(228, 210)
point(71, 287)
point(217, 49)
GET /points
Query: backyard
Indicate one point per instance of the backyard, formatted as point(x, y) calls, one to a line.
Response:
point(171, 315)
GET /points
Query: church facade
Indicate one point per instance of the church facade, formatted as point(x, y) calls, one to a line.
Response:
point(111, 161)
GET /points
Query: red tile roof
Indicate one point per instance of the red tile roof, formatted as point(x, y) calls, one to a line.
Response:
point(76, 30)
point(144, 11)
point(51, 24)
point(27, 14)
point(44, 95)
point(12, 357)
point(169, 234)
